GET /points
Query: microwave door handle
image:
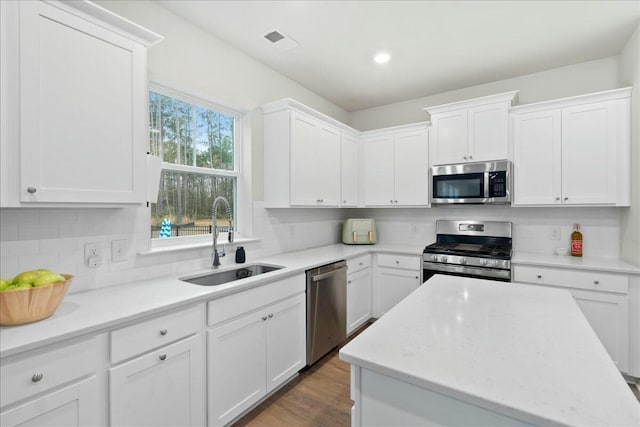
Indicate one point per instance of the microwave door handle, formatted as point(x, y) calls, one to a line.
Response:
point(486, 186)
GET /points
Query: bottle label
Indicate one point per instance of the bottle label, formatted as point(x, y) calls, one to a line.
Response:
point(576, 247)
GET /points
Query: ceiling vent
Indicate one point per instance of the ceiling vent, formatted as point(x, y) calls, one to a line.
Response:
point(274, 36)
point(280, 41)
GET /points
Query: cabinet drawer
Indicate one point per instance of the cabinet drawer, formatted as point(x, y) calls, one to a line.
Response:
point(590, 280)
point(407, 262)
point(40, 371)
point(227, 308)
point(360, 263)
point(147, 335)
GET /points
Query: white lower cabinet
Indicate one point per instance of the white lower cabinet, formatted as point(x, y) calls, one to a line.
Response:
point(396, 277)
point(602, 297)
point(53, 387)
point(162, 388)
point(158, 374)
point(358, 292)
point(256, 349)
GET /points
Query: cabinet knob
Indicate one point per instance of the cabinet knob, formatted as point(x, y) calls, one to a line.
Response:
point(566, 198)
point(163, 332)
point(361, 263)
point(470, 157)
point(397, 262)
point(465, 157)
point(31, 190)
point(395, 201)
point(344, 201)
point(270, 316)
point(162, 356)
point(390, 201)
point(37, 377)
point(417, 277)
point(596, 282)
point(539, 276)
point(264, 318)
point(557, 198)
point(348, 282)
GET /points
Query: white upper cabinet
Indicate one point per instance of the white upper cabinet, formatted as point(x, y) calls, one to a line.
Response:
point(78, 126)
point(574, 151)
point(349, 165)
point(302, 156)
point(471, 130)
point(396, 166)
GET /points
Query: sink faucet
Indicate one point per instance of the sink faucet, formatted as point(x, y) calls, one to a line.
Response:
point(220, 200)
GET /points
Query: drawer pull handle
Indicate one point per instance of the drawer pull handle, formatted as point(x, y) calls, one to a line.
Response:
point(270, 316)
point(162, 356)
point(539, 276)
point(397, 262)
point(37, 377)
point(361, 263)
point(596, 282)
point(264, 318)
point(31, 190)
point(163, 332)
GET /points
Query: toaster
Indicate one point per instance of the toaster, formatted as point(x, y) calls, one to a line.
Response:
point(359, 231)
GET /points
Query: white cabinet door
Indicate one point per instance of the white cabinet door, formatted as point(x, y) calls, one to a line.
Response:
point(326, 170)
point(304, 132)
point(378, 171)
point(75, 405)
point(349, 165)
point(449, 137)
point(358, 299)
point(589, 154)
point(411, 168)
point(83, 121)
point(488, 132)
point(236, 367)
point(163, 388)
point(392, 286)
point(286, 340)
point(537, 158)
point(608, 315)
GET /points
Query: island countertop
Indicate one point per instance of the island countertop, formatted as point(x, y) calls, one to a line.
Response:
point(524, 352)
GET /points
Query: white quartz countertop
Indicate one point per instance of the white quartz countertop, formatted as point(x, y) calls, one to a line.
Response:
point(93, 311)
point(612, 265)
point(521, 351)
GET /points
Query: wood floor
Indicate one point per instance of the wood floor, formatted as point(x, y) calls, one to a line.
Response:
point(318, 397)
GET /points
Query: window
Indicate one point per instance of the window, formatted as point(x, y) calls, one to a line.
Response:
point(197, 143)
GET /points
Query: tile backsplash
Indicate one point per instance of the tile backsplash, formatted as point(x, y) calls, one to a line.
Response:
point(55, 238)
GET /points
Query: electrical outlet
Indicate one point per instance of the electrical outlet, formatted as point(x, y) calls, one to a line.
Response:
point(118, 250)
point(555, 233)
point(93, 254)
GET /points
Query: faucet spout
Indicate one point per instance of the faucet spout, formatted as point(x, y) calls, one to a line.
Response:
point(214, 221)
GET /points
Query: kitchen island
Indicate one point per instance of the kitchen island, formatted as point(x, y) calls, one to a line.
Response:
point(462, 351)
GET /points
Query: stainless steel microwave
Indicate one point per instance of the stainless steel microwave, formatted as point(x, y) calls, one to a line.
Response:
point(481, 182)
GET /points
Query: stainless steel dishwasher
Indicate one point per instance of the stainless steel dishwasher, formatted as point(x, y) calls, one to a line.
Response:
point(326, 309)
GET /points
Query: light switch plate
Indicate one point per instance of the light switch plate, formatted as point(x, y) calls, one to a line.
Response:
point(118, 250)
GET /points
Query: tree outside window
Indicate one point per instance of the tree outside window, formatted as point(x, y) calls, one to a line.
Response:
point(197, 146)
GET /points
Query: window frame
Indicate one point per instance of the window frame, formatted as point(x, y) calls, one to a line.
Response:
point(197, 170)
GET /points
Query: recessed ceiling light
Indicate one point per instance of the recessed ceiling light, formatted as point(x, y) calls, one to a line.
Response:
point(382, 57)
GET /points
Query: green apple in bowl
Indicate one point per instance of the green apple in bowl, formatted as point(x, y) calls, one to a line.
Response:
point(48, 279)
point(25, 276)
point(4, 284)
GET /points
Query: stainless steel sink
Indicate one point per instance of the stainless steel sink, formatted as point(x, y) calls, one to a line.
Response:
point(221, 277)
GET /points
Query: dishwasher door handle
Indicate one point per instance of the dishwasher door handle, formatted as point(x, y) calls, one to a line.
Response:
point(325, 275)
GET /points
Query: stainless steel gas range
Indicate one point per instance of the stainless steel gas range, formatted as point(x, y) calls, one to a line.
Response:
point(479, 249)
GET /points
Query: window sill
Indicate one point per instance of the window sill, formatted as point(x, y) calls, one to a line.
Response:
point(167, 248)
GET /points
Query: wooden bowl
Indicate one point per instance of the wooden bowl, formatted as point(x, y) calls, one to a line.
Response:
point(28, 305)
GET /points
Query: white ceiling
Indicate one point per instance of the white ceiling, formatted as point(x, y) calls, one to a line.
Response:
point(436, 46)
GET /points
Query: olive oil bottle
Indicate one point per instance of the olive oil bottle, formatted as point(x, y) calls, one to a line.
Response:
point(576, 241)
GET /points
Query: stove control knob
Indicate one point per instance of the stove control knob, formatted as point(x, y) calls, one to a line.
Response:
point(443, 258)
point(463, 260)
point(434, 257)
point(483, 262)
point(505, 264)
point(493, 263)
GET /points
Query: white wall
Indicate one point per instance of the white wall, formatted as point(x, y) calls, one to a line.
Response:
point(578, 79)
point(630, 76)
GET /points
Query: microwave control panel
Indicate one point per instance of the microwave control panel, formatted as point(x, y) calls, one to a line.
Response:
point(498, 184)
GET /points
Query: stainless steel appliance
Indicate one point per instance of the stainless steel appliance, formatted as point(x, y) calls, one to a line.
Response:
point(470, 249)
point(326, 309)
point(484, 182)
